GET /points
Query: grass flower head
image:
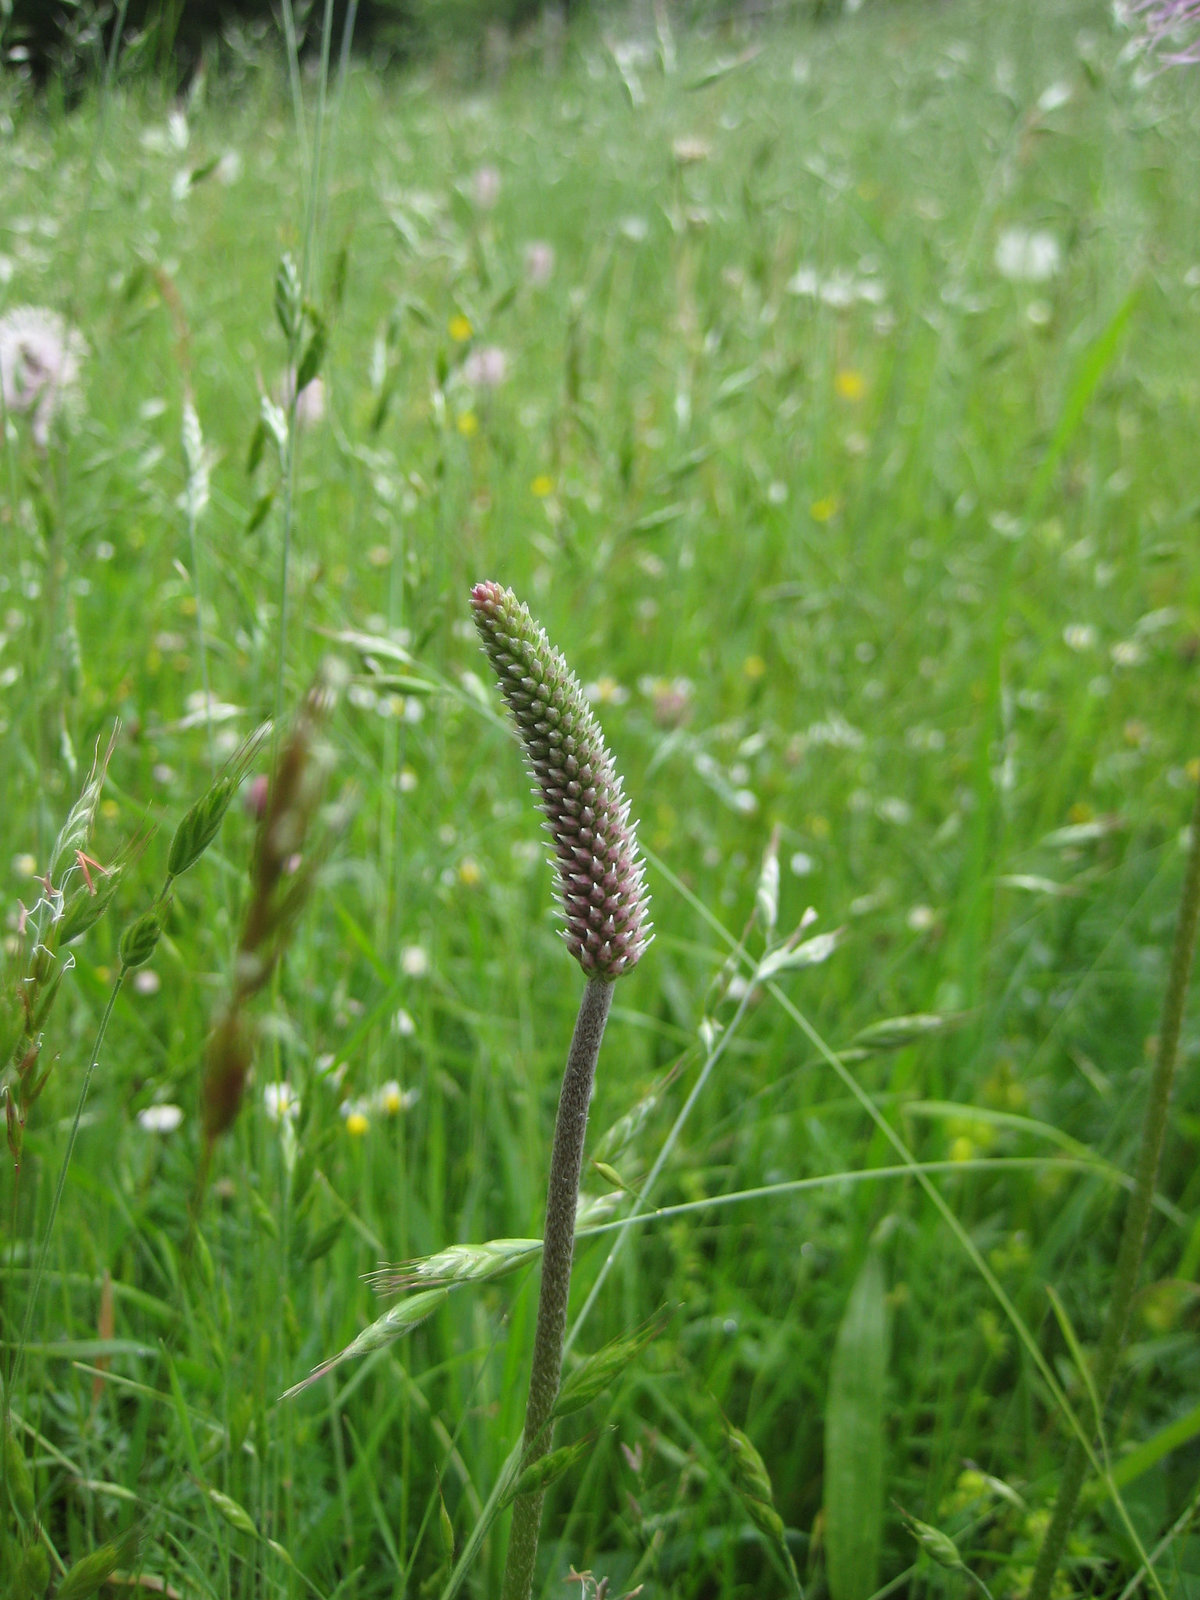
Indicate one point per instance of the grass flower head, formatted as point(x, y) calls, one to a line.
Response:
point(601, 878)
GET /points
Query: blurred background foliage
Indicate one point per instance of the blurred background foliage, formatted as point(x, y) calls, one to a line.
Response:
point(68, 41)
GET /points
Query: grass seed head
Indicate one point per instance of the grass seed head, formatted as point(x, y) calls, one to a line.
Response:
point(140, 939)
point(601, 877)
point(202, 822)
point(83, 910)
point(230, 1053)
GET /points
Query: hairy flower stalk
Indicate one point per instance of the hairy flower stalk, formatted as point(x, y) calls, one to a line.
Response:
point(604, 902)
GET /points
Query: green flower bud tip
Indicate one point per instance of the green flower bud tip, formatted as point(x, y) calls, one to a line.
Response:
point(199, 827)
point(601, 878)
point(141, 937)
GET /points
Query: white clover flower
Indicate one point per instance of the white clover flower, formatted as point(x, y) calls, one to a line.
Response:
point(414, 961)
point(1079, 636)
point(838, 289)
point(40, 358)
point(1028, 255)
point(160, 1119)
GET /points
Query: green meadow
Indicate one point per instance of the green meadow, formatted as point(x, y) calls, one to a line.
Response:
point(829, 393)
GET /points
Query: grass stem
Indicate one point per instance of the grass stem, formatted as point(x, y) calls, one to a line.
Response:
point(1137, 1216)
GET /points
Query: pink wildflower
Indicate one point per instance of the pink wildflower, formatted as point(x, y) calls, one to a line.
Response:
point(40, 358)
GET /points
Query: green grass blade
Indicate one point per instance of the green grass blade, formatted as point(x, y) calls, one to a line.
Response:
point(854, 1439)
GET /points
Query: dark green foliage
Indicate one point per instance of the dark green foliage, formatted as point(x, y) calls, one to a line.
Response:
point(71, 39)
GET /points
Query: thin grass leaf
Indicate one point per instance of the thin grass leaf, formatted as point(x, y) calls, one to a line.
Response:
point(1147, 1455)
point(854, 1439)
point(1096, 360)
point(1082, 1364)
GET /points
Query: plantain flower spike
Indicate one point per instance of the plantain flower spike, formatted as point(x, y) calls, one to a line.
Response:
point(601, 878)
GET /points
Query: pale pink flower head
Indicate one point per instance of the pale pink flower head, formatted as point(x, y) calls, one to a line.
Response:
point(1172, 28)
point(486, 367)
point(485, 186)
point(539, 263)
point(40, 358)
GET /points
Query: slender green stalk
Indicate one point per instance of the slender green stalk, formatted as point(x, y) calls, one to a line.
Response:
point(40, 1268)
point(1137, 1217)
point(566, 1165)
point(294, 341)
point(196, 496)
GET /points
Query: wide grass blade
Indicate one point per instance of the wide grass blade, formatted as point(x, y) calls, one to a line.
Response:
point(854, 1438)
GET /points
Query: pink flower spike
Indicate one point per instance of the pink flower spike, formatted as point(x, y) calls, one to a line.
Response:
point(601, 878)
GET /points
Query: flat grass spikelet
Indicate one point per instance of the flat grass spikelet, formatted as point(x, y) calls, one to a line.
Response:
point(601, 877)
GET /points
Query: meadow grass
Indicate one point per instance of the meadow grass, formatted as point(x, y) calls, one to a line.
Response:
point(859, 537)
